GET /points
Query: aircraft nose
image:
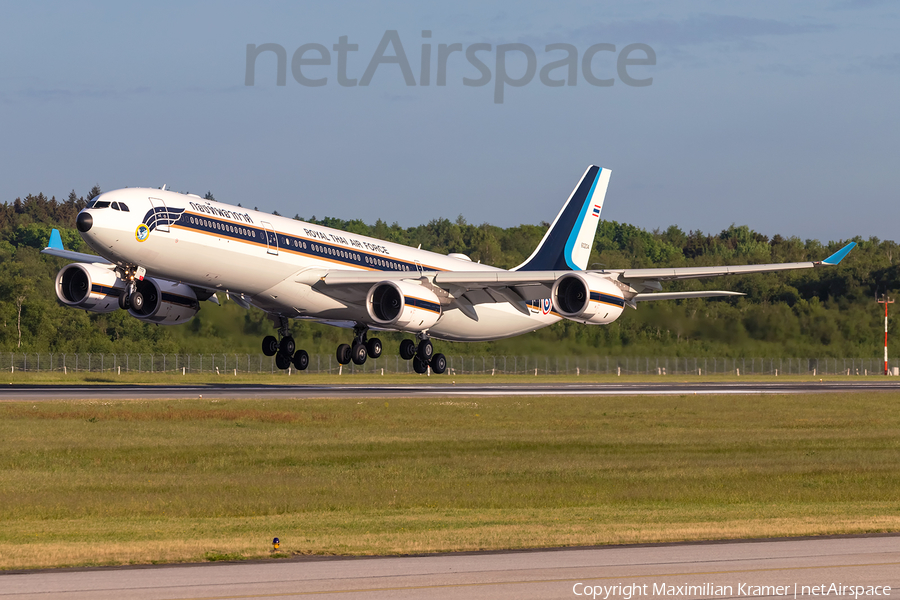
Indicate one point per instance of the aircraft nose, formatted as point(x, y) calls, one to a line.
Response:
point(84, 222)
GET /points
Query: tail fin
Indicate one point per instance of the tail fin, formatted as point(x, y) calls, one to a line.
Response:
point(567, 244)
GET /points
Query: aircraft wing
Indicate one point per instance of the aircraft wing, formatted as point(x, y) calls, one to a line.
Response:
point(672, 274)
point(526, 285)
point(55, 248)
point(460, 289)
point(477, 287)
point(535, 285)
point(466, 288)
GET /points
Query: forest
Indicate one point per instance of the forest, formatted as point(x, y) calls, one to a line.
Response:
point(825, 312)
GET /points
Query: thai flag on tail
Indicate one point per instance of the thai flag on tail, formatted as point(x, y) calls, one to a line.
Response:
point(596, 210)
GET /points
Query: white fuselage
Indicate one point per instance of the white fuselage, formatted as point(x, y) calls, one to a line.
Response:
point(268, 260)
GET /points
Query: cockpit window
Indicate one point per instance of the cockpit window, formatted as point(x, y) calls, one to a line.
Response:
point(105, 204)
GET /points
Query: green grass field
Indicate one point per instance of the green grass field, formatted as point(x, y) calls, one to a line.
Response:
point(84, 483)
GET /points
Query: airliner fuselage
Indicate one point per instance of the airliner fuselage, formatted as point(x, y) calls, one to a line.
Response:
point(162, 253)
point(274, 261)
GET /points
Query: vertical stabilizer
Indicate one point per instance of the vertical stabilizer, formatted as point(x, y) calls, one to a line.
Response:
point(567, 244)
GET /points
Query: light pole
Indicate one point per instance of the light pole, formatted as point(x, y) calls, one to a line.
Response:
point(885, 300)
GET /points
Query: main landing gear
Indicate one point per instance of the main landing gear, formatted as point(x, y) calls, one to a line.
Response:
point(285, 351)
point(423, 355)
point(361, 349)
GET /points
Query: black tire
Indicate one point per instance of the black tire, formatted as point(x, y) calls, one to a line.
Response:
point(282, 361)
point(407, 349)
point(287, 346)
point(343, 354)
point(419, 366)
point(301, 360)
point(425, 351)
point(359, 353)
point(438, 363)
point(270, 345)
point(123, 301)
point(374, 347)
point(137, 301)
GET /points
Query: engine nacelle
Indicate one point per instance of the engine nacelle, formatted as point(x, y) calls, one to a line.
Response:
point(403, 305)
point(165, 302)
point(587, 298)
point(87, 286)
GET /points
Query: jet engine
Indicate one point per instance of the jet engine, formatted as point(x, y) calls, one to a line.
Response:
point(403, 305)
point(587, 298)
point(91, 287)
point(165, 302)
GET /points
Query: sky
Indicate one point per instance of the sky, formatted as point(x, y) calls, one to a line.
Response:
point(777, 115)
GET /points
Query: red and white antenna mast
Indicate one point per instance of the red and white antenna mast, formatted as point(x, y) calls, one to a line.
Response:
point(885, 300)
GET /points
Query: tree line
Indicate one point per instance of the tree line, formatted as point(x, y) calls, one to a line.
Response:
point(826, 312)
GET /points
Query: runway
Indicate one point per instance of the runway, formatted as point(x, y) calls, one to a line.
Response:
point(715, 570)
point(427, 388)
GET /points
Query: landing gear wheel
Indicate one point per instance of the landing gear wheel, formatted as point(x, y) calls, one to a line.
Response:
point(137, 301)
point(419, 366)
point(123, 301)
point(374, 347)
point(359, 353)
point(270, 345)
point(426, 350)
point(407, 349)
point(287, 345)
point(438, 363)
point(282, 361)
point(301, 360)
point(343, 354)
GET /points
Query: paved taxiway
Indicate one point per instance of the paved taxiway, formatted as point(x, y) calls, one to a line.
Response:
point(730, 569)
point(428, 388)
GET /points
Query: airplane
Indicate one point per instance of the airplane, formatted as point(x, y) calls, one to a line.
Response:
point(162, 253)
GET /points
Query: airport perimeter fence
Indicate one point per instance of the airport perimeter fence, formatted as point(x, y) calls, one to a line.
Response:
point(234, 364)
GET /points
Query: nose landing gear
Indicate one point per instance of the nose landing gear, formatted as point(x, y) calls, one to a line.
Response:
point(130, 297)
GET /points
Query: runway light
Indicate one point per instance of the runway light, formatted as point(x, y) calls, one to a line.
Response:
point(275, 544)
